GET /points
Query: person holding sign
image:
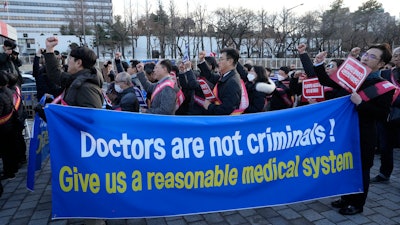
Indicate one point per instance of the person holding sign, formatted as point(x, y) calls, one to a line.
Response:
point(331, 88)
point(228, 86)
point(372, 105)
point(388, 132)
point(207, 66)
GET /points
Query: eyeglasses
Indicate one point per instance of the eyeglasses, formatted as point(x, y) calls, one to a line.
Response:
point(330, 66)
point(221, 59)
point(370, 56)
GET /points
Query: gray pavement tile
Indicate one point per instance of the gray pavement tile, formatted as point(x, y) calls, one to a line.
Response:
point(333, 216)
point(380, 219)
point(19, 221)
point(136, 222)
point(247, 212)
point(8, 212)
point(324, 222)
point(156, 221)
point(347, 223)
point(289, 213)
point(179, 221)
point(301, 221)
point(319, 206)
point(58, 222)
point(213, 217)
point(359, 219)
point(193, 218)
point(201, 222)
point(257, 220)
point(5, 219)
point(278, 221)
point(116, 222)
point(267, 212)
point(311, 215)
point(11, 204)
point(299, 207)
point(235, 219)
point(41, 214)
point(24, 213)
point(38, 222)
point(385, 211)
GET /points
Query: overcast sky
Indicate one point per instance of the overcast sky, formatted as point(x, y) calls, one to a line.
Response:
point(391, 6)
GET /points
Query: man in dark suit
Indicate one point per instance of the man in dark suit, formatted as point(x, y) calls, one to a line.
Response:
point(227, 88)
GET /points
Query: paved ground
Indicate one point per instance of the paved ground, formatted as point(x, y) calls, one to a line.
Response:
point(21, 207)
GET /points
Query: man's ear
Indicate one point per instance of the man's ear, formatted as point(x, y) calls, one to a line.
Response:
point(79, 62)
point(382, 64)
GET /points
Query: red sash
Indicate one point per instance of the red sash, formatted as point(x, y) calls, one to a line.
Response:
point(60, 99)
point(180, 97)
point(244, 99)
point(16, 102)
point(397, 91)
point(376, 90)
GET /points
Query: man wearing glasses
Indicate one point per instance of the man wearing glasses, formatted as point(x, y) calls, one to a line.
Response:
point(370, 111)
point(227, 88)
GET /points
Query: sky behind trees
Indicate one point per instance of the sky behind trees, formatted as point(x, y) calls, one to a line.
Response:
point(269, 5)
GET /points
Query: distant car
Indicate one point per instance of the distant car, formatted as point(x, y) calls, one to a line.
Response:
point(28, 78)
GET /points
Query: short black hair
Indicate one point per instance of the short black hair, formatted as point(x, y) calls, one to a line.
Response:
point(134, 62)
point(211, 60)
point(167, 64)
point(231, 53)
point(247, 66)
point(125, 65)
point(386, 51)
point(149, 67)
point(9, 43)
point(85, 54)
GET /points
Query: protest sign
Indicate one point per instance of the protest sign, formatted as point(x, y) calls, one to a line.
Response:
point(351, 74)
point(312, 88)
point(38, 150)
point(108, 164)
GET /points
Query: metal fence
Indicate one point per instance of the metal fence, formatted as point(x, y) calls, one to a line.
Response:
point(273, 63)
point(30, 101)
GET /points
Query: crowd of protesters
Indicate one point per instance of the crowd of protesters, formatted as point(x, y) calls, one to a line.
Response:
point(215, 86)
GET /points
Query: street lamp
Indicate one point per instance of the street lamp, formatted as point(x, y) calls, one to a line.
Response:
point(83, 25)
point(286, 13)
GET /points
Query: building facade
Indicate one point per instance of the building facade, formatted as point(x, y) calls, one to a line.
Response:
point(33, 18)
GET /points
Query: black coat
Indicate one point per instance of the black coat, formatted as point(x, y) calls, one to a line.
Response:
point(229, 93)
point(127, 100)
point(81, 89)
point(369, 113)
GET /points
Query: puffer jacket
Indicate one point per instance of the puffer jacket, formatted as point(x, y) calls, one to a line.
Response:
point(81, 89)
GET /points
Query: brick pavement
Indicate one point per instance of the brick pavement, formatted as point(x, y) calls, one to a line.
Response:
point(18, 206)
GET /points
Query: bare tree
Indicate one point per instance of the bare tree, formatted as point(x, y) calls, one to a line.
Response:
point(233, 25)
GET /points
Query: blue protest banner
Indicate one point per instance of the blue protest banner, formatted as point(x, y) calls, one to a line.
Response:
point(38, 150)
point(108, 164)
